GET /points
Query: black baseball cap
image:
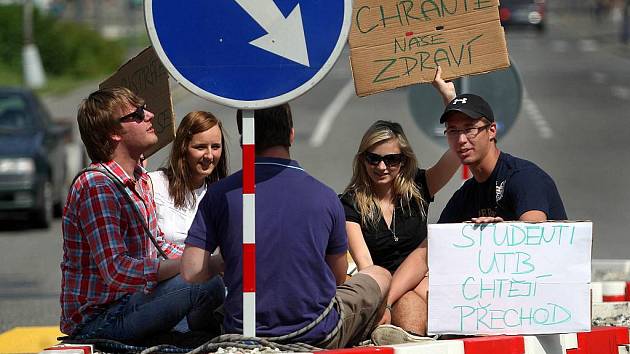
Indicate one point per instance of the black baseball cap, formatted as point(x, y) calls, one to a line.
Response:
point(471, 105)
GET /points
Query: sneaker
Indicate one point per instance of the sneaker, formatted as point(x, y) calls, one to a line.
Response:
point(389, 334)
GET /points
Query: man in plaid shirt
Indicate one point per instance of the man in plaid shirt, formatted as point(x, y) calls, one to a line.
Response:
point(114, 285)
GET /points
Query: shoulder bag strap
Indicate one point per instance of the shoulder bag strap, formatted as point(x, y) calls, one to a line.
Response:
point(123, 190)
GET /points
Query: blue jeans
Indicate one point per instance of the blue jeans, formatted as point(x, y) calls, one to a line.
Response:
point(140, 315)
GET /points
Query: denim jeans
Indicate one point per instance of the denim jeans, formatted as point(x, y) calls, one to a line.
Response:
point(140, 315)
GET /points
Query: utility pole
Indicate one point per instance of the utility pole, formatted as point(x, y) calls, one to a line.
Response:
point(32, 68)
point(625, 29)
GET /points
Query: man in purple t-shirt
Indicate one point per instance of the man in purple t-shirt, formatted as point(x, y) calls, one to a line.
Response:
point(301, 248)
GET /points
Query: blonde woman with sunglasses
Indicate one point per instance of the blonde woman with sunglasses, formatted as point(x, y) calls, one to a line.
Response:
point(386, 205)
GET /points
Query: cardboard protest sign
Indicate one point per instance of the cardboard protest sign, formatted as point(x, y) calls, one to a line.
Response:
point(146, 77)
point(399, 43)
point(510, 278)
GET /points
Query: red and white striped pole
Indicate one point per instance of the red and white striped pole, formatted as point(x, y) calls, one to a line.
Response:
point(465, 173)
point(249, 225)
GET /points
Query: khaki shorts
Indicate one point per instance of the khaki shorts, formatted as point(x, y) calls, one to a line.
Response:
point(361, 307)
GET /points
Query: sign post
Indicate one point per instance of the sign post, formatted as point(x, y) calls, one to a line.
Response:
point(249, 225)
point(248, 54)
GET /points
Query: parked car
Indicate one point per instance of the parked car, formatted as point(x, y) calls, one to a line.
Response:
point(32, 158)
point(523, 12)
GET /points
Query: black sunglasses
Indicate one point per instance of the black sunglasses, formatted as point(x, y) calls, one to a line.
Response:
point(135, 116)
point(390, 159)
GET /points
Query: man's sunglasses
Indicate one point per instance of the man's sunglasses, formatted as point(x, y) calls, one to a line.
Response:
point(390, 159)
point(135, 116)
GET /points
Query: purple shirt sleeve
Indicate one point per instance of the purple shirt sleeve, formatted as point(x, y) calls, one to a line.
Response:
point(202, 230)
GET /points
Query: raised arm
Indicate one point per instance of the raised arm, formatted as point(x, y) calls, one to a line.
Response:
point(358, 249)
point(338, 263)
point(446, 89)
point(445, 168)
point(442, 172)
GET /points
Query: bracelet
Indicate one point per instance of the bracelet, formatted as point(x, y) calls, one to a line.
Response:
point(389, 307)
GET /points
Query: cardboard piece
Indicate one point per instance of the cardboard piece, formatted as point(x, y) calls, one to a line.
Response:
point(399, 43)
point(147, 77)
point(510, 278)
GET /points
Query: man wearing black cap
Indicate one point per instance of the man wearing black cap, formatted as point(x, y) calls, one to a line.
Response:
point(503, 187)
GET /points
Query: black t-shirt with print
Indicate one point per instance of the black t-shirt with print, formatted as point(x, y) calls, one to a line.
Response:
point(514, 187)
point(389, 250)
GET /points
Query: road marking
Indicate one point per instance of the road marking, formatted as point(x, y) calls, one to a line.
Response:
point(621, 92)
point(29, 339)
point(599, 78)
point(330, 114)
point(588, 45)
point(559, 46)
point(533, 112)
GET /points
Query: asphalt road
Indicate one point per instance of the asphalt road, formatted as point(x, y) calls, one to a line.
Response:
point(574, 123)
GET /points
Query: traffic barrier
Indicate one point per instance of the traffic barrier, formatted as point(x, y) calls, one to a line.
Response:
point(596, 292)
point(602, 340)
point(69, 349)
point(550, 343)
point(435, 347)
point(361, 350)
point(494, 344)
point(610, 310)
point(614, 291)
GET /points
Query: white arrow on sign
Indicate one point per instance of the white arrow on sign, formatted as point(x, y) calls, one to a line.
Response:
point(285, 36)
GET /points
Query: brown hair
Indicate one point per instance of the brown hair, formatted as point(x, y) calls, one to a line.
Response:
point(178, 172)
point(97, 123)
point(404, 188)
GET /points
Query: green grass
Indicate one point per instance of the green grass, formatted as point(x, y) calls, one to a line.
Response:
point(60, 85)
point(9, 77)
point(135, 41)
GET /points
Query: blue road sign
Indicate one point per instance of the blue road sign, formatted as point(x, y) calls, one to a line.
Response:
point(248, 53)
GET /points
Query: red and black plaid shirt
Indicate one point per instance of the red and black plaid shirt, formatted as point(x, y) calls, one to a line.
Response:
point(106, 252)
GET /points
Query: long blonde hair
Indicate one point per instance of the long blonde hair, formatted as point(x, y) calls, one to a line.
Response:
point(405, 191)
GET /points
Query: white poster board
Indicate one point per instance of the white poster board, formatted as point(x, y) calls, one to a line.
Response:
point(509, 278)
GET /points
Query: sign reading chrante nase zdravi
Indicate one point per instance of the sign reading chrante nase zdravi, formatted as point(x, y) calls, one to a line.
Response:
point(510, 278)
point(398, 43)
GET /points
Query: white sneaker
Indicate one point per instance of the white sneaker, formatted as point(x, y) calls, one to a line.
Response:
point(389, 334)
